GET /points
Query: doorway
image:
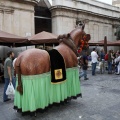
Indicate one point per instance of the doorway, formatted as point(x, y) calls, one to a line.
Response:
point(42, 19)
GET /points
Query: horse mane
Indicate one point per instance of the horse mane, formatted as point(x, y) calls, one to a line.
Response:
point(64, 36)
point(78, 28)
point(66, 39)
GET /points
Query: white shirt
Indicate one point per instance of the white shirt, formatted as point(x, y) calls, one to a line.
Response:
point(14, 62)
point(118, 60)
point(94, 57)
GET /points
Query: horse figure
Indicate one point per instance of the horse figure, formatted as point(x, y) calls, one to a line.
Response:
point(36, 61)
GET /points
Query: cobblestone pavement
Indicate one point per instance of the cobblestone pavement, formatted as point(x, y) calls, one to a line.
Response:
point(100, 101)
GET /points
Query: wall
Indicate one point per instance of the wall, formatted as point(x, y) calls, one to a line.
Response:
point(17, 17)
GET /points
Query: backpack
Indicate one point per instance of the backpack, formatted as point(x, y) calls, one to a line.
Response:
point(106, 57)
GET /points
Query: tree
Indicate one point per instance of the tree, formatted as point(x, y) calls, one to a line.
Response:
point(117, 33)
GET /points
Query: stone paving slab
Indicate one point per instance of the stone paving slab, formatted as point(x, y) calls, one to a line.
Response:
point(100, 101)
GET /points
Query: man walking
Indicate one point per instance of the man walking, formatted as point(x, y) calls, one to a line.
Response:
point(94, 57)
point(8, 74)
point(84, 65)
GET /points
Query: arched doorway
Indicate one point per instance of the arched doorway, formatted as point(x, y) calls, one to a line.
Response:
point(42, 18)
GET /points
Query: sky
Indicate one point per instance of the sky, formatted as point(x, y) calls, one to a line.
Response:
point(105, 1)
point(50, 1)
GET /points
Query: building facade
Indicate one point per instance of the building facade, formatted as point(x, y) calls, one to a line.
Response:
point(18, 17)
point(101, 19)
point(116, 3)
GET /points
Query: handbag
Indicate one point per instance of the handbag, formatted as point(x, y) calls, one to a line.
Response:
point(10, 89)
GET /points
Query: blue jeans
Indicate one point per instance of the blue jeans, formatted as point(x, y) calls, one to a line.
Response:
point(94, 68)
point(83, 73)
point(109, 67)
point(7, 81)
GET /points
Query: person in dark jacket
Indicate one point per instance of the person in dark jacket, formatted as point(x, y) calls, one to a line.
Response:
point(84, 65)
point(110, 58)
point(102, 60)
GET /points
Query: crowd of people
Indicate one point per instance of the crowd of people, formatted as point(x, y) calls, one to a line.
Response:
point(112, 59)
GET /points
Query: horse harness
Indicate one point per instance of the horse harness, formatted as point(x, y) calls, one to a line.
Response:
point(70, 43)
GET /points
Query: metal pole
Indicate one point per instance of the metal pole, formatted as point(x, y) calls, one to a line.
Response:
point(105, 44)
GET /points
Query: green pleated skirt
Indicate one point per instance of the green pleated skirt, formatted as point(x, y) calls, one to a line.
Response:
point(39, 92)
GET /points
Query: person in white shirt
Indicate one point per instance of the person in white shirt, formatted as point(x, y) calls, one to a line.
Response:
point(118, 66)
point(94, 57)
point(14, 62)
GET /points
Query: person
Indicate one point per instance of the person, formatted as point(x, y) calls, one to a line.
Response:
point(117, 54)
point(102, 54)
point(118, 64)
point(2, 70)
point(110, 59)
point(113, 59)
point(14, 62)
point(14, 65)
point(94, 57)
point(102, 59)
point(8, 74)
point(84, 65)
point(89, 57)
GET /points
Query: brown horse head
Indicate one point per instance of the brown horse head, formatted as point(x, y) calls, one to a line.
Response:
point(76, 39)
point(80, 38)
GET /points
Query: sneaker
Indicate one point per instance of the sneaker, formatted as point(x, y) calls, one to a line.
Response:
point(86, 79)
point(117, 73)
point(7, 100)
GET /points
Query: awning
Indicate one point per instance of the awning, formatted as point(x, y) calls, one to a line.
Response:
point(8, 39)
point(43, 37)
